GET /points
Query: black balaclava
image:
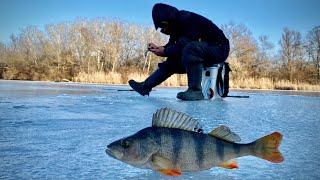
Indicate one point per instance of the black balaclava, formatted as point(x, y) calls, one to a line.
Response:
point(164, 13)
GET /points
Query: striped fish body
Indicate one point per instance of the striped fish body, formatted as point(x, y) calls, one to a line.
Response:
point(191, 151)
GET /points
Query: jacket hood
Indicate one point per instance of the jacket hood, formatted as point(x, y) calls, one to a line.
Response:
point(163, 12)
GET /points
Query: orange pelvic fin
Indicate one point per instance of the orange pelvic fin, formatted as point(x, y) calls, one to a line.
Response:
point(229, 164)
point(267, 148)
point(170, 172)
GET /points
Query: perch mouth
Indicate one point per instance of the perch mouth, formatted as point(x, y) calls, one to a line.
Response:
point(114, 153)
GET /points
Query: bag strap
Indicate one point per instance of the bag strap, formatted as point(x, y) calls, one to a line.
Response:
point(219, 82)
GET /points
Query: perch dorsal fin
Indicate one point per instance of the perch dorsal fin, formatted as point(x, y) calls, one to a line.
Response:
point(223, 132)
point(169, 118)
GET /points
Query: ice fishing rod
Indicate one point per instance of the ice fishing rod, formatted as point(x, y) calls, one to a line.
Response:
point(238, 96)
point(125, 90)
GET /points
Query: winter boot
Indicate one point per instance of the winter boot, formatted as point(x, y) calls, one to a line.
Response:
point(194, 82)
point(156, 78)
point(139, 87)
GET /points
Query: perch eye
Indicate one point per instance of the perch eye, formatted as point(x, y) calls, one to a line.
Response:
point(124, 144)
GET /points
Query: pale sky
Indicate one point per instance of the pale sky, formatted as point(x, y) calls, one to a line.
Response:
point(262, 17)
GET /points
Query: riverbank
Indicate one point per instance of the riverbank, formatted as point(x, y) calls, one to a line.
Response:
point(126, 87)
point(177, 80)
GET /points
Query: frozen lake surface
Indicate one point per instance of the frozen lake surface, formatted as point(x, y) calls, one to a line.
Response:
point(61, 130)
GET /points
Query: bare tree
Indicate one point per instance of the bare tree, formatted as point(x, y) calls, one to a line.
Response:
point(291, 51)
point(82, 44)
point(263, 62)
point(242, 49)
point(27, 42)
point(313, 50)
point(98, 27)
point(3, 52)
point(116, 30)
point(129, 43)
point(55, 39)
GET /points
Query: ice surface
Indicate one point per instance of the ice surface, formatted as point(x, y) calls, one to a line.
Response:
point(61, 130)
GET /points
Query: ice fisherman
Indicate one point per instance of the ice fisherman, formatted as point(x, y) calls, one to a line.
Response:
point(195, 42)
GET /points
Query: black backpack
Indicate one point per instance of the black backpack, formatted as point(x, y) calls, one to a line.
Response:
point(223, 80)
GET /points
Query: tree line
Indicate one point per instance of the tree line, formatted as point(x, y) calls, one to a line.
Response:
point(63, 50)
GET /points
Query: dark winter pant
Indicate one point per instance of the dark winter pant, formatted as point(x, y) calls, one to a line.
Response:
point(195, 53)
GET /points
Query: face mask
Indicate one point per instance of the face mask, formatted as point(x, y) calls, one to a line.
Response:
point(165, 32)
point(166, 29)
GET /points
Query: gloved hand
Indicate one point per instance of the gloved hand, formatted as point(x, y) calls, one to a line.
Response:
point(151, 46)
point(159, 51)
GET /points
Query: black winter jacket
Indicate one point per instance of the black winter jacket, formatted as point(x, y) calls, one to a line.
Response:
point(189, 27)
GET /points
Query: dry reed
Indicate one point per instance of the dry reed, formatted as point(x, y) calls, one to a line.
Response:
point(181, 80)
